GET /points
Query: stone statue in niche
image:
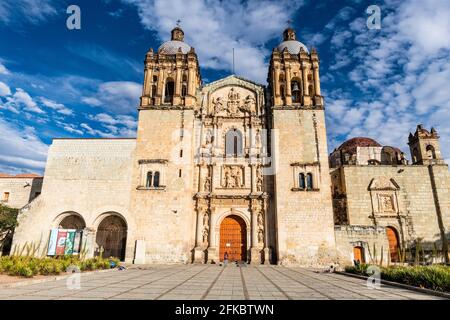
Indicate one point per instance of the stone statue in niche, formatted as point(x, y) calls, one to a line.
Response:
point(229, 181)
point(258, 138)
point(260, 236)
point(206, 220)
point(259, 184)
point(205, 236)
point(260, 220)
point(207, 184)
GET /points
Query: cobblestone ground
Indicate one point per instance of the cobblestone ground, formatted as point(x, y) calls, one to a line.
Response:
point(200, 282)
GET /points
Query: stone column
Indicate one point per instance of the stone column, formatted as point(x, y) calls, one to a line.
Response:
point(288, 85)
point(255, 251)
point(199, 254)
point(254, 177)
point(159, 88)
point(305, 79)
point(177, 93)
point(316, 78)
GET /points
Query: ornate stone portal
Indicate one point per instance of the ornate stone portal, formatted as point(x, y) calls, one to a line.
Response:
point(231, 185)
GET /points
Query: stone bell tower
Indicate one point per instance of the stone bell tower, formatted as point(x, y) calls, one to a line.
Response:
point(161, 192)
point(305, 230)
point(172, 75)
point(424, 146)
point(294, 73)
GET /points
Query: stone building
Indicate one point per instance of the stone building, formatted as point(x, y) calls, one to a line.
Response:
point(384, 204)
point(231, 168)
point(18, 190)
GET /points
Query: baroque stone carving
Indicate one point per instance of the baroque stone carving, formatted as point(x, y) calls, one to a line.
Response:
point(207, 184)
point(386, 203)
point(260, 236)
point(233, 177)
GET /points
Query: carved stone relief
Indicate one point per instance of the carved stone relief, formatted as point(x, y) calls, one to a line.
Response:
point(233, 177)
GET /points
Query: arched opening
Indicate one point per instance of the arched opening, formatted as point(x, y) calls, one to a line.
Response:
point(415, 155)
point(309, 181)
point(233, 239)
point(169, 91)
point(392, 236)
point(149, 180)
point(233, 143)
point(156, 180)
point(112, 237)
point(431, 154)
point(358, 254)
point(282, 95)
point(301, 181)
point(296, 91)
point(72, 221)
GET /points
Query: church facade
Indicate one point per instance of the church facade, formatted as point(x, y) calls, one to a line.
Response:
point(229, 169)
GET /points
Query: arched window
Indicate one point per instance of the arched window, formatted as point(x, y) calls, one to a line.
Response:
point(415, 155)
point(431, 154)
point(155, 79)
point(154, 90)
point(309, 181)
point(156, 180)
point(311, 90)
point(296, 91)
point(148, 182)
point(301, 181)
point(169, 90)
point(183, 90)
point(233, 143)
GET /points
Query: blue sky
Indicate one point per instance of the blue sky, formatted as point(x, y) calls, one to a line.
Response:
point(56, 82)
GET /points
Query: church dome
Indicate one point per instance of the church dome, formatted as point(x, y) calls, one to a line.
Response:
point(176, 43)
point(290, 43)
point(351, 145)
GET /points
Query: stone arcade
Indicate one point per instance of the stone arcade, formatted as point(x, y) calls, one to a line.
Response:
point(231, 167)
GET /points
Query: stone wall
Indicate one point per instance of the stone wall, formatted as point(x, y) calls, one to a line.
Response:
point(415, 213)
point(165, 216)
point(372, 239)
point(89, 177)
point(21, 190)
point(304, 217)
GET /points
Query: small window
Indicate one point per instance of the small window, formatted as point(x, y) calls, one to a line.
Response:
point(156, 180)
point(169, 91)
point(431, 154)
point(37, 194)
point(148, 183)
point(155, 78)
point(309, 181)
point(181, 153)
point(179, 173)
point(5, 196)
point(154, 90)
point(301, 181)
point(184, 90)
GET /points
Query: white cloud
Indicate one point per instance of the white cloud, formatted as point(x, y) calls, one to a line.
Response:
point(4, 90)
point(21, 147)
point(3, 69)
point(23, 99)
point(402, 70)
point(214, 27)
point(58, 107)
point(116, 96)
point(19, 11)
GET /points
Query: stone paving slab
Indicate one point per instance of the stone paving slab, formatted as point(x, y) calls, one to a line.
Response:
point(212, 282)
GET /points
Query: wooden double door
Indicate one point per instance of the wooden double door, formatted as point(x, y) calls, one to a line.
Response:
point(233, 239)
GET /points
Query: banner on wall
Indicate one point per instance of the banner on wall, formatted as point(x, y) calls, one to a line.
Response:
point(77, 243)
point(61, 242)
point(70, 239)
point(52, 242)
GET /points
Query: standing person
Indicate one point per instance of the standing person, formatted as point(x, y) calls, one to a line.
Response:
point(225, 258)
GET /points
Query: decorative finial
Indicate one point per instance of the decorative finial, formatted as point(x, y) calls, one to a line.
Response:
point(178, 22)
point(289, 23)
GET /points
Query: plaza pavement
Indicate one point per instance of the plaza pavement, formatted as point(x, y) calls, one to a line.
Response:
point(205, 282)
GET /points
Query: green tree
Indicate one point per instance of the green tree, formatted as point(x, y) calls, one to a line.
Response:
point(8, 221)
